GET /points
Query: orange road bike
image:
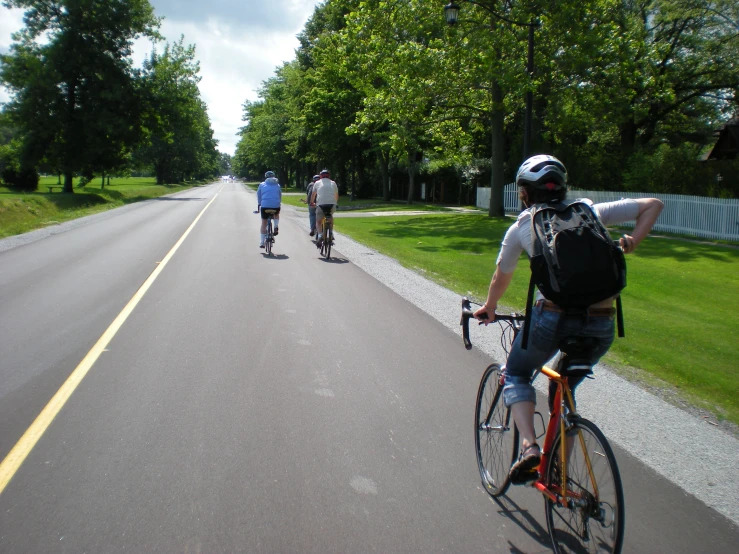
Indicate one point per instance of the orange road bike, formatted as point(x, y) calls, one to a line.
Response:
point(578, 475)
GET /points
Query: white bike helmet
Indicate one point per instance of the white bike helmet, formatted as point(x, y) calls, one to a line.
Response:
point(542, 172)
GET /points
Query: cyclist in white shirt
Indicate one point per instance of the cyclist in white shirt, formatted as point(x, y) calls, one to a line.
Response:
point(543, 179)
point(325, 197)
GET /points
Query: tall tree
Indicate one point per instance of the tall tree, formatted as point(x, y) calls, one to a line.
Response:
point(72, 92)
point(179, 141)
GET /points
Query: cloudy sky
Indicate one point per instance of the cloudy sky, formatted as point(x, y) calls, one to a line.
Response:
point(239, 44)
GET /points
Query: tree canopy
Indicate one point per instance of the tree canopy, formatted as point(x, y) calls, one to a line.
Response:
point(79, 107)
point(627, 94)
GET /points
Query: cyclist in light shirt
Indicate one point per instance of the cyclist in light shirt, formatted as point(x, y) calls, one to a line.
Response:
point(325, 197)
point(543, 180)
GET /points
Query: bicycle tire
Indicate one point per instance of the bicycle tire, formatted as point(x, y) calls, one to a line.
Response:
point(591, 522)
point(268, 241)
point(330, 236)
point(496, 436)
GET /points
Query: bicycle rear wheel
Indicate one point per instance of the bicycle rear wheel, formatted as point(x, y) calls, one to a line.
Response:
point(593, 519)
point(327, 241)
point(496, 436)
point(268, 242)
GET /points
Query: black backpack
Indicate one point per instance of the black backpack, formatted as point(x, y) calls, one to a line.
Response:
point(574, 261)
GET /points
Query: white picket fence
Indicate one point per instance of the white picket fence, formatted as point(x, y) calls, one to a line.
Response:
point(698, 216)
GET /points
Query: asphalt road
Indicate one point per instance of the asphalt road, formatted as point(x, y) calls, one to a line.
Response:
point(253, 404)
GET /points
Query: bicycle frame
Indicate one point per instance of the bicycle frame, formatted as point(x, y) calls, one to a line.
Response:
point(558, 421)
point(326, 224)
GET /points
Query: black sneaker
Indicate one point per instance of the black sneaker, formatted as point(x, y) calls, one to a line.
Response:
point(277, 232)
point(261, 246)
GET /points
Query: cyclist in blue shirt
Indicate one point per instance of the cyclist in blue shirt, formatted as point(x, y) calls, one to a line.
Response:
point(269, 196)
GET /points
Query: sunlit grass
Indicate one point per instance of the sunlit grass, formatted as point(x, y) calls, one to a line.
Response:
point(22, 212)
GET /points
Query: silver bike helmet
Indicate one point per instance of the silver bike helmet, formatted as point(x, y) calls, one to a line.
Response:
point(269, 174)
point(542, 172)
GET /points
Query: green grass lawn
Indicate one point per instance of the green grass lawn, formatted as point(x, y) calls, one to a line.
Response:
point(22, 212)
point(681, 306)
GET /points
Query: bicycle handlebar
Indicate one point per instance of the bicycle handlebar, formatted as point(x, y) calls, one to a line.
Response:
point(467, 313)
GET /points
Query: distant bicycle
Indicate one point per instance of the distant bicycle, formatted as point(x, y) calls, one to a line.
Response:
point(269, 241)
point(578, 475)
point(327, 234)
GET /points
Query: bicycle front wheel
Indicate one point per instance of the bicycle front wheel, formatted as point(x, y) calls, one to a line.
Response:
point(496, 436)
point(592, 518)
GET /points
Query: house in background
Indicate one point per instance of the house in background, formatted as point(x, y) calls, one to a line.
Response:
point(727, 145)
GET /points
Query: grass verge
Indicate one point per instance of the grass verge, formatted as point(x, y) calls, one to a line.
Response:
point(22, 212)
point(681, 306)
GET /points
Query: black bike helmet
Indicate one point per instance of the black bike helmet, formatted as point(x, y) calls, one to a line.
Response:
point(542, 172)
point(269, 174)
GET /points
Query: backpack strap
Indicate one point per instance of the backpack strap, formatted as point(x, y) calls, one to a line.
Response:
point(619, 317)
point(529, 310)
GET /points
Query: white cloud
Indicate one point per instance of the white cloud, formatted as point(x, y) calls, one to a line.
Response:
point(10, 22)
point(239, 44)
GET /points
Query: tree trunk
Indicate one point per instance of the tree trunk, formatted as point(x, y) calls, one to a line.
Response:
point(497, 177)
point(384, 163)
point(159, 169)
point(69, 136)
point(354, 175)
point(411, 175)
point(102, 182)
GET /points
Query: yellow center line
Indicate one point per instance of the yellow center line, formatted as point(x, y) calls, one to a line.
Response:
point(23, 447)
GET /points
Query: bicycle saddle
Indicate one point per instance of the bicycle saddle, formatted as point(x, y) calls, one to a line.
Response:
point(579, 353)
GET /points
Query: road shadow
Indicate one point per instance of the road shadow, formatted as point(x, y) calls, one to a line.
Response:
point(523, 518)
point(170, 198)
point(274, 256)
point(333, 260)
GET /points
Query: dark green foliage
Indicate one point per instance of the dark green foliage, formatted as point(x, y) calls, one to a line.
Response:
point(179, 141)
point(627, 94)
point(74, 98)
point(24, 178)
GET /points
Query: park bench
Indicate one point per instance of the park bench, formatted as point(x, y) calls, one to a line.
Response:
point(52, 187)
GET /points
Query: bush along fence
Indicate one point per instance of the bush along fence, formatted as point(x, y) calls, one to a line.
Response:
point(697, 216)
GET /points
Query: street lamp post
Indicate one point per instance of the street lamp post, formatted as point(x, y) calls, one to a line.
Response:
point(451, 12)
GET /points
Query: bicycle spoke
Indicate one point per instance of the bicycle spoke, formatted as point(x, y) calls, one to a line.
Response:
point(495, 440)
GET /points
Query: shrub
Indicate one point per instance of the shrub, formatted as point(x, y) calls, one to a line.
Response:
point(24, 179)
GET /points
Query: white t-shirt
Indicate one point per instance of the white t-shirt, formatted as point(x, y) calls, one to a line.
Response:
point(326, 191)
point(518, 237)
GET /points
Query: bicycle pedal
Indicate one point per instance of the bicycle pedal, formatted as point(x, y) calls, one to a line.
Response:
point(527, 478)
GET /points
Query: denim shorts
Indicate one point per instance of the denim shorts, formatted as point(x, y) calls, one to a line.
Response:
point(548, 328)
